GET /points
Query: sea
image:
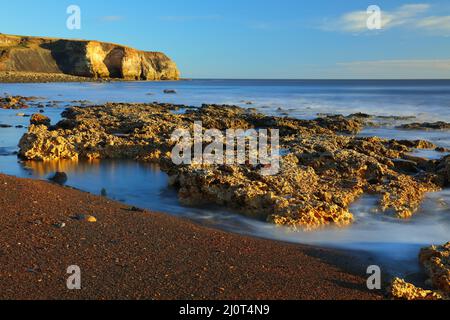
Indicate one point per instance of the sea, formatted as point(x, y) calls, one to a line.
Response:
point(392, 242)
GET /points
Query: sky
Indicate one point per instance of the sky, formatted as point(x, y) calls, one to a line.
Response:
point(259, 39)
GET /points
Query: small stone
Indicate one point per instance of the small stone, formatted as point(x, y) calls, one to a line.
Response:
point(136, 209)
point(85, 218)
point(91, 219)
point(59, 178)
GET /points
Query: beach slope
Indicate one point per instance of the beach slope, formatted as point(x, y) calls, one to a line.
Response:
point(129, 254)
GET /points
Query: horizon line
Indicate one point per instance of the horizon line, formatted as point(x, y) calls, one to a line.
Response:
point(321, 79)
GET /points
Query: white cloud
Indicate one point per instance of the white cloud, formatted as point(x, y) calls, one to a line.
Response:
point(435, 23)
point(408, 16)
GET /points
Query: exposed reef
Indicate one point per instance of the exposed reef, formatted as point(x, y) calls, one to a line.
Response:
point(323, 169)
point(15, 102)
point(436, 263)
point(402, 290)
point(440, 125)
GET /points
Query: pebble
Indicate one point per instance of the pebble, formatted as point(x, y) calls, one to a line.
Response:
point(86, 218)
point(60, 225)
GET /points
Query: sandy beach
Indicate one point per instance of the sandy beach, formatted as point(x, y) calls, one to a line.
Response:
point(145, 255)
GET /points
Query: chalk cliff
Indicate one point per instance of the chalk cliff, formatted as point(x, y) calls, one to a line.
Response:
point(92, 59)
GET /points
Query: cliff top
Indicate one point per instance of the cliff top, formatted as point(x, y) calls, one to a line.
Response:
point(13, 40)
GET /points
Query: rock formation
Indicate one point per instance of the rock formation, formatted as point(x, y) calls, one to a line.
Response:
point(91, 59)
point(436, 262)
point(322, 172)
point(402, 290)
point(14, 102)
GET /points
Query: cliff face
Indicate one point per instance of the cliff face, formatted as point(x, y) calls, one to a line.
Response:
point(91, 59)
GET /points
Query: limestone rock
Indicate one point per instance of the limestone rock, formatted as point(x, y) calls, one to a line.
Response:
point(38, 119)
point(322, 172)
point(14, 102)
point(436, 261)
point(90, 59)
point(402, 290)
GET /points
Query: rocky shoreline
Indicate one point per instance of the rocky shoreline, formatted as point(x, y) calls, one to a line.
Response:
point(325, 167)
point(36, 77)
point(323, 170)
point(435, 260)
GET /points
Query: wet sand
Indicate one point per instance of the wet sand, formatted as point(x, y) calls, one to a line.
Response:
point(146, 255)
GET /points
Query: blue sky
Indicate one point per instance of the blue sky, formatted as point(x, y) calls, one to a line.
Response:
point(259, 38)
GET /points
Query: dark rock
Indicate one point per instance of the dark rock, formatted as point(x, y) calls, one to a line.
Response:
point(443, 169)
point(361, 115)
point(406, 166)
point(59, 178)
point(418, 144)
point(421, 163)
point(85, 218)
point(170, 91)
point(136, 209)
point(441, 149)
point(440, 125)
point(66, 124)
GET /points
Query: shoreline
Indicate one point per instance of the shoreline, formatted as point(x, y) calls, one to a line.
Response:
point(327, 126)
point(145, 255)
point(36, 77)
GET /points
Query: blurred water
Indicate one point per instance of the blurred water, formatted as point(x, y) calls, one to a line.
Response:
point(428, 100)
point(395, 242)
